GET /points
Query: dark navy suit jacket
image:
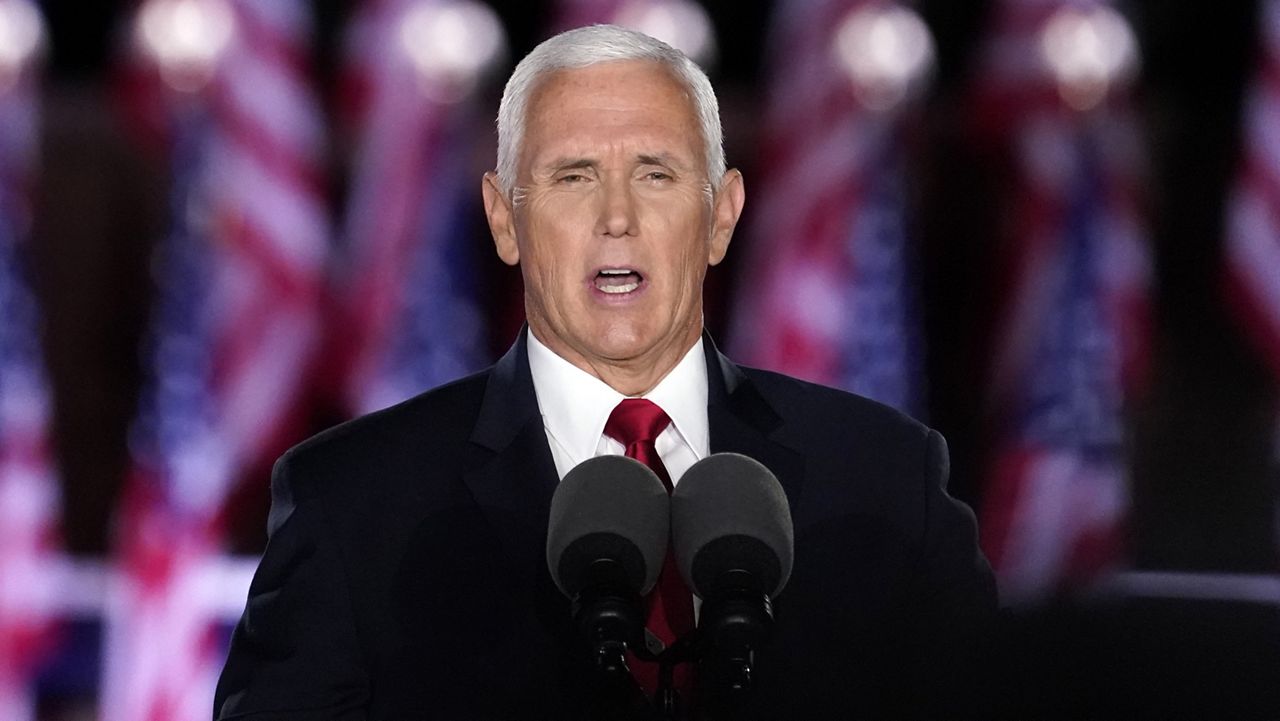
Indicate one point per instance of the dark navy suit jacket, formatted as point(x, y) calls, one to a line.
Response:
point(405, 575)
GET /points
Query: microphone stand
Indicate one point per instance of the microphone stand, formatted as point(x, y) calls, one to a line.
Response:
point(736, 620)
point(611, 619)
point(667, 698)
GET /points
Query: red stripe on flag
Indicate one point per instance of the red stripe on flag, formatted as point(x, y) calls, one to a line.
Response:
point(271, 46)
point(1256, 315)
point(279, 280)
point(301, 173)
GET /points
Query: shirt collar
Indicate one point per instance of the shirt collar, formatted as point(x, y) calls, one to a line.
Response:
point(683, 395)
point(575, 404)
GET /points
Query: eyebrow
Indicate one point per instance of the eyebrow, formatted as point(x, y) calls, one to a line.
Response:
point(663, 159)
point(572, 164)
point(561, 164)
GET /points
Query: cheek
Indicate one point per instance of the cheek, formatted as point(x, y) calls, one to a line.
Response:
point(687, 250)
point(556, 207)
point(683, 226)
point(551, 257)
point(552, 224)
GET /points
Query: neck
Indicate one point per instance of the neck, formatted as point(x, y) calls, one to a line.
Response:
point(629, 376)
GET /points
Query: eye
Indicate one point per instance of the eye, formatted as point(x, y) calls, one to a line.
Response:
point(571, 178)
point(657, 175)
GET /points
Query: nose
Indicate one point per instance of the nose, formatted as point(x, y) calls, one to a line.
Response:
point(617, 212)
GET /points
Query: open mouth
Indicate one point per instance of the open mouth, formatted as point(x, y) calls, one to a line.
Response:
point(618, 280)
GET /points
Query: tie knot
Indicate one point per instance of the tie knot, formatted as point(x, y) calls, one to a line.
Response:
point(636, 420)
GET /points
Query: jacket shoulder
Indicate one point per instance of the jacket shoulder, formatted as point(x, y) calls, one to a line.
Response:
point(410, 432)
point(811, 404)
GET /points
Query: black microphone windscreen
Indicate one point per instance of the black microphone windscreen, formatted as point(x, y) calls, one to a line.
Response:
point(608, 508)
point(729, 513)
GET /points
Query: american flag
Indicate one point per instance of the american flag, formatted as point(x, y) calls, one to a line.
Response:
point(1071, 341)
point(407, 284)
point(234, 328)
point(826, 290)
point(30, 497)
point(1253, 220)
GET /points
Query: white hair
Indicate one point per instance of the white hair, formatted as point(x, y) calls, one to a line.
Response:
point(590, 45)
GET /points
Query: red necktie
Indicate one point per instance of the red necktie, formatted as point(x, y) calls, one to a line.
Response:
point(636, 423)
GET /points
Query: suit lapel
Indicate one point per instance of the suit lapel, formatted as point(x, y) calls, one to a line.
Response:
point(515, 477)
point(512, 481)
point(742, 421)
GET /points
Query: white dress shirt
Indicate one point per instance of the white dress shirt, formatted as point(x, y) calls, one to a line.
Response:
point(575, 406)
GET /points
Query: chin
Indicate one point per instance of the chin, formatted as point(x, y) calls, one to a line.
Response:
point(619, 341)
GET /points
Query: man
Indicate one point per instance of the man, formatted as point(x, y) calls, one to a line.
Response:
point(405, 574)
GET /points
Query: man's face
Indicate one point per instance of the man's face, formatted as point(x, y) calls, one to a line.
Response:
point(613, 220)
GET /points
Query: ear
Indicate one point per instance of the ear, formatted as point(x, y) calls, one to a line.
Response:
point(502, 225)
point(726, 208)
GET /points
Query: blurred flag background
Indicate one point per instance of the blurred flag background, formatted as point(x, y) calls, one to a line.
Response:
point(234, 328)
point(407, 286)
point(1253, 226)
point(228, 224)
point(1069, 351)
point(30, 493)
point(828, 293)
point(1252, 239)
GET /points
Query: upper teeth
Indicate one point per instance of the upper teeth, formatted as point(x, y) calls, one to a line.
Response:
point(617, 271)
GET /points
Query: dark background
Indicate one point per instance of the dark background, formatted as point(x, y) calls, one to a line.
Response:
point(1205, 497)
point(1203, 438)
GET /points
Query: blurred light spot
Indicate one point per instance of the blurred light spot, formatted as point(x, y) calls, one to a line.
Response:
point(451, 45)
point(21, 38)
point(1089, 51)
point(186, 38)
point(886, 51)
point(682, 25)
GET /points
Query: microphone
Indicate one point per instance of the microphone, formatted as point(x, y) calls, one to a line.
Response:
point(606, 540)
point(734, 545)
